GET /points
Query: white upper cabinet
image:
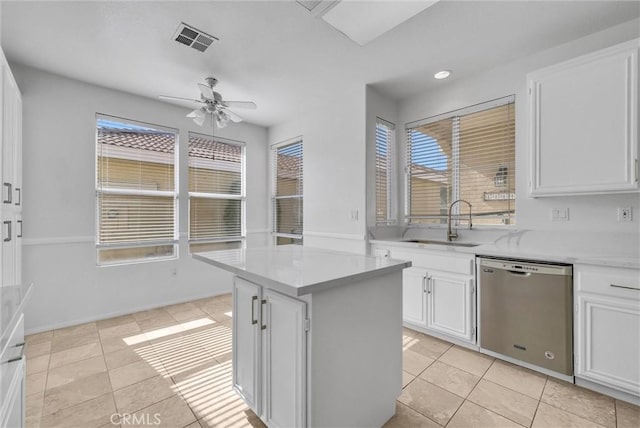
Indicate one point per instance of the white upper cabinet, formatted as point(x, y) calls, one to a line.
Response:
point(583, 124)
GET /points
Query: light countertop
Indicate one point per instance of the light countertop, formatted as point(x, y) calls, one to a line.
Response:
point(614, 250)
point(298, 270)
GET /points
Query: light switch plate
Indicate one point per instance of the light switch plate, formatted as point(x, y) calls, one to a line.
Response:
point(559, 214)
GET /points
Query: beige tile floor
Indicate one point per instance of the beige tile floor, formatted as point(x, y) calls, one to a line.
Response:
point(171, 367)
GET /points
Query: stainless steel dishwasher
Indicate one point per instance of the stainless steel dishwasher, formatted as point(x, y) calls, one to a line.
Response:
point(526, 312)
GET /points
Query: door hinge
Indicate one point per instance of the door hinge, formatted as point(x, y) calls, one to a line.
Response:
point(307, 324)
point(636, 170)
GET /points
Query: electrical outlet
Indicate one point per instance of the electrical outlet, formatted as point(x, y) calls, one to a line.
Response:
point(559, 214)
point(624, 214)
point(354, 215)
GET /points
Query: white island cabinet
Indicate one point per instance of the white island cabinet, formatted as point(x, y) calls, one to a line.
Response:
point(317, 334)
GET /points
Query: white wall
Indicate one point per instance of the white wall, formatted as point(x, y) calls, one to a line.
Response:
point(59, 205)
point(333, 138)
point(588, 213)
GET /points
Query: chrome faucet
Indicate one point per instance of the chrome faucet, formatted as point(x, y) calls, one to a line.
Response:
point(451, 235)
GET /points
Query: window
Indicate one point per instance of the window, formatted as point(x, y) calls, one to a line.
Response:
point(216, 193)
point(467, 154)
point(385, 147)
point(136, 193)
point(287, 189)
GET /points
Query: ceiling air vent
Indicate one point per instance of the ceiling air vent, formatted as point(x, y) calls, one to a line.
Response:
point(190, 36)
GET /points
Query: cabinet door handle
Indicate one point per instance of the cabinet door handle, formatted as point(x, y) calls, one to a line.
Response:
point(263, 326)
point(624, 286)
point(19, 235)
point(19, 196)
point(253, 305)
point(8, 223)
point(19, 356)
point(9, 193)
point(428, 285)
point(424, 284)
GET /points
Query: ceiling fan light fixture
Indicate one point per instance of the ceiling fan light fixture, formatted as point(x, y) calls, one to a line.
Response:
point(222, 118)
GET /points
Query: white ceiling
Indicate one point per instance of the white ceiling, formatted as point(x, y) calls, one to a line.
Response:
point(277, 54)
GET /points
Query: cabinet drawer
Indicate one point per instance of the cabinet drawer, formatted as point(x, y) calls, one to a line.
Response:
point(614, 282)
point(456, 263)
point(10, 361)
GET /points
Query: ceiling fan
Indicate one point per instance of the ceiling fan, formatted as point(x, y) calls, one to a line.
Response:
point(211, 102)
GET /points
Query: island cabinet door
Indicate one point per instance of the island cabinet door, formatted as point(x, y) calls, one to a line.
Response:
point(246, 341)
point(284, 360)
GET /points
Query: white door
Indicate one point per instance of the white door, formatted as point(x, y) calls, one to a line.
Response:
point(609, 341)
point(17, 150)
point(8, 249)
point(414, 296)
point(17, 250)
point(246, 341)
point(8, 100)
point(284, 361)
point(450, 304)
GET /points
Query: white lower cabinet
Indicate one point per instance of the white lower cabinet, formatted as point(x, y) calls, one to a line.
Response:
point(450, 305)
point(607, 327)
point(269, 353)
point(414, 295)
point(284, 360)
point(438, 293)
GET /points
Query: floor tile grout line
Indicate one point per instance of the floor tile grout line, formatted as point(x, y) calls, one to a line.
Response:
point(539, 401)
point(113, 397)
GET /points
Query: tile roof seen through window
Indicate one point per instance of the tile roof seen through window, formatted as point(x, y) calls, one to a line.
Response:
point(163, 142)
point(205, 148)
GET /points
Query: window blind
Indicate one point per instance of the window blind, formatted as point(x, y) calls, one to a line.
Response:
point(216, 192)
point(135, 191)
point(385, 147)
point(468, 154)
point(288, 193)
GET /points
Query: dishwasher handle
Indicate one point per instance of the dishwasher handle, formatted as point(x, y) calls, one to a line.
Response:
point(519, 273)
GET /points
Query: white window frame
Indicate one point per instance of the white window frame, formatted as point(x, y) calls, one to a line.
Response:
point(274, 198)
point(455, 186)
point(137, 192)
point(391, 173)
point(221, 196)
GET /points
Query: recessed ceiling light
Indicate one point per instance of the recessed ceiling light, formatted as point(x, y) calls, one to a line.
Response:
point(442, 74)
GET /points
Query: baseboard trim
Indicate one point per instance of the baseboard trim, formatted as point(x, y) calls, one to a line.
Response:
point(114, 314)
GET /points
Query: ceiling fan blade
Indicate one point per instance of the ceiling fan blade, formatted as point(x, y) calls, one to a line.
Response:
point(241, 104)
point(234, 117)
point(187, 100)
point(206, 92)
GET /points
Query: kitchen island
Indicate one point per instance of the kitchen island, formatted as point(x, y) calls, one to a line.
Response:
point(317, 334)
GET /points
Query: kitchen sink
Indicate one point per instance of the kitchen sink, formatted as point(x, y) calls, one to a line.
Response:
point(452, 244)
